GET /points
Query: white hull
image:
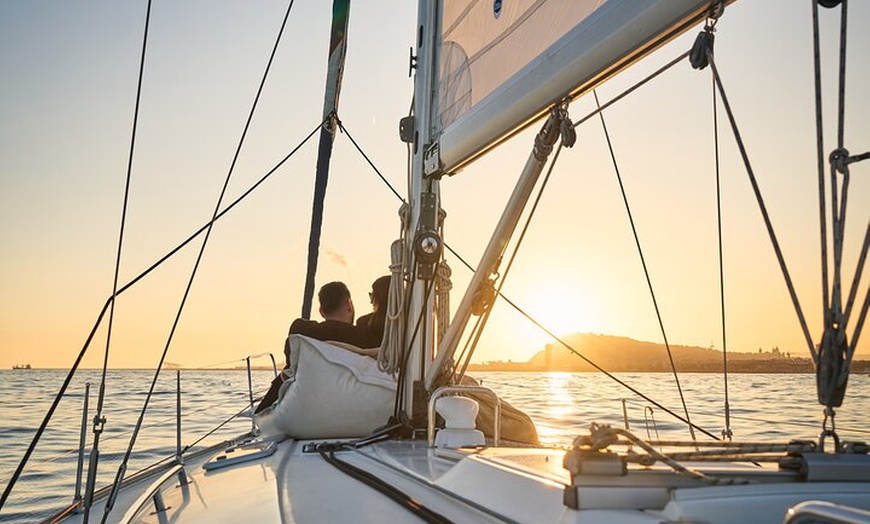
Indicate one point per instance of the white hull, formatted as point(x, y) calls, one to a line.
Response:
point(295, 484)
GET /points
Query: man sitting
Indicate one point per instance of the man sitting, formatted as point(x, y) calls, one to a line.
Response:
point(336, 308)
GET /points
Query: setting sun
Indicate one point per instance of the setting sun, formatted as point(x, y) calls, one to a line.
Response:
point(560, 310)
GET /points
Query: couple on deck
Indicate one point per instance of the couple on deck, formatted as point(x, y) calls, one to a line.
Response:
point(336, 308)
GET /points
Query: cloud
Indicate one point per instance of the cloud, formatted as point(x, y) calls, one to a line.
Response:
point(335, 257)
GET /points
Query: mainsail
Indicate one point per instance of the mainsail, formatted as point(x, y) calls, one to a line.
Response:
point(504, 63)
point(492, 82)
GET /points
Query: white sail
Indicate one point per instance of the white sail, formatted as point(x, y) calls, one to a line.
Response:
point(504, 63)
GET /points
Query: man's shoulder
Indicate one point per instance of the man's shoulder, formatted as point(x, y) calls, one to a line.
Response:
point(312, 328)
point(334, 330)
point(302, 325)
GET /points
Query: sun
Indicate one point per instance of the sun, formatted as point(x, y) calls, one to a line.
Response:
point(559, 310)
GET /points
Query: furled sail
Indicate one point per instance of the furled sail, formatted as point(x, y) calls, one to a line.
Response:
point(334, 72)
point(504, 62)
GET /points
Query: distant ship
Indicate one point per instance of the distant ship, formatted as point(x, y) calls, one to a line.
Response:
point(21, 366)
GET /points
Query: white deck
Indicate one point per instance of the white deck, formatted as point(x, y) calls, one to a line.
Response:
point(488, 485)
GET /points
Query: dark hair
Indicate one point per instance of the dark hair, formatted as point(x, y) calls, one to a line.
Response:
point(332, 297)
point(380, 290)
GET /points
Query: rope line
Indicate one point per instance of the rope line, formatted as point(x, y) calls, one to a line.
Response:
point(216, 428)
point(399, 404)
point(643, 263)
point(859, 270)
point(820, 153)
point(392, 492)
point(763, 208)
point(99, 420)
point(633, 88)
point(726, 433)
point(371, 164)
point(602, 436)
point(122, 468)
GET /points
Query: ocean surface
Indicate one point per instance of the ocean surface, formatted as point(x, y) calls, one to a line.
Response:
point(763, 407)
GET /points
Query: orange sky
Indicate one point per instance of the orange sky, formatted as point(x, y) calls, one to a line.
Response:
point(65, 115)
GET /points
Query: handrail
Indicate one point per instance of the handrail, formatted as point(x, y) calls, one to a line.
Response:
point(440, 392)
point(153, 491)
point(811, 511)
point(251, 382)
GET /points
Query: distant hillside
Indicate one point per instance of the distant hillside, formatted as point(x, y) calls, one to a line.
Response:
point(623, 354)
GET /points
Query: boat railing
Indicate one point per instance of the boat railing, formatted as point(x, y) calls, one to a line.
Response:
point(444, 390)
point(78, 499)
point(815, 511)
point(251, 382)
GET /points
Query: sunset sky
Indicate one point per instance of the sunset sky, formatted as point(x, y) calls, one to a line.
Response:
point(67, 96)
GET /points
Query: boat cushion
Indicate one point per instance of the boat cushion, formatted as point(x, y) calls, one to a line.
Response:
point(330, 392)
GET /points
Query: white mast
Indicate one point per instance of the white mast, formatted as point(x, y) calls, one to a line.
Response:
point(421, 344)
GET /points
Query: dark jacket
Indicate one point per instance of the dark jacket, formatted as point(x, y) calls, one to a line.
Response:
point(361, 336)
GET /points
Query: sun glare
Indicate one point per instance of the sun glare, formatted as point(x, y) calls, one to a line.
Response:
point(559, 311)
point(559, 400)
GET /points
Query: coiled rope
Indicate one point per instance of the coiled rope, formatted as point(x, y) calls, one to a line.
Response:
point(602, 436)
point(390, 354)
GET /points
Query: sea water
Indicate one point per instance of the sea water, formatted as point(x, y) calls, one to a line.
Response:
point(766, 407)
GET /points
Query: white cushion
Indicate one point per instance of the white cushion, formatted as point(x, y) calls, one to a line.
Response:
point(331, 393)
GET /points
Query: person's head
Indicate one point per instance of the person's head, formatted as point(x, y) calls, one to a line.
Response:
point(335, 303)
point(379, 292)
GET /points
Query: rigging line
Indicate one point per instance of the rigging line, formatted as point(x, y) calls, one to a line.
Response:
point(516, 250)
point(399, 403)
point(162, 422)
point(860, 324)
point(757, 191)
point(216, 428)
point(820, 153)
point(643, 264)
point(367, 159)
point(74, 368)
point(838, 220)
point(38, 435)
point(217, 364)
point(727, 430)
point(471, 341)
point(841, 111)
point(220, 215)
point(705, 413)
point(633, 88)
point(604, 371)
point(570, 348)
point(124, 206)
point(123, 466)
point(424, 336)
point(859, 271)
point(838, 163)
point(99, 421)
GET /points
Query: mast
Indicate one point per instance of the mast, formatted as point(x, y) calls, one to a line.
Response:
point(424, 200)
point(335, 70)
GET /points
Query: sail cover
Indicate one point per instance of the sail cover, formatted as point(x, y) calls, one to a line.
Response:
point(504, 62)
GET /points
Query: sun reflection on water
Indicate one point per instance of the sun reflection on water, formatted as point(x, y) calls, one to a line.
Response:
point(559, 399)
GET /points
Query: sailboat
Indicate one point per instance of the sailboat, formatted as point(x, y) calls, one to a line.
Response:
point(423, 452)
